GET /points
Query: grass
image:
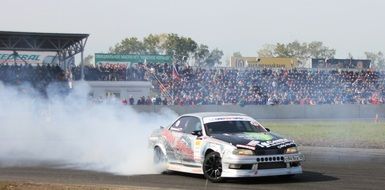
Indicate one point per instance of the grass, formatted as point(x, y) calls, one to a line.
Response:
point(355, 134)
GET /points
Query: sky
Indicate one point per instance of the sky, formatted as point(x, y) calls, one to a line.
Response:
point(349, 26)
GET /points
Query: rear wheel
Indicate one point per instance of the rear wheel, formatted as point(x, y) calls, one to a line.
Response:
point(160, 160)
point(159, 157)
point(212, 167)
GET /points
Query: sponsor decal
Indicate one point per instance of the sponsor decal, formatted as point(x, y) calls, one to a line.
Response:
point(245, 146)
point(258, 136)
point(253, 143)
point(255, 123)
point(185, 148)
point(197, 149)
point(226, 118)
point(198, 143)
point(275, 143)
point(285, 145)
point(264, 140)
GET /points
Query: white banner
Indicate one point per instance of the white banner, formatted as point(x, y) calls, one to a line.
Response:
point(31, 58)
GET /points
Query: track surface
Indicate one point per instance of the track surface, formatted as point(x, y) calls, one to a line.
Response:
point(325, 168)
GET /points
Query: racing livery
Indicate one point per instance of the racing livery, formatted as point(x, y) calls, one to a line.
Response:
point(221, 145)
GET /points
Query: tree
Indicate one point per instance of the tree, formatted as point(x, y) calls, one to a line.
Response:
point(201, 54)
point(377, 59)
point(214, 57)
point(298, 50)
point(180, 47)
point(316, 49)
point(281, 50)
point(237, 54)
point(88, 60)
point(129, 46)
point(302, 51)
point(267, 50)
point(151, 44)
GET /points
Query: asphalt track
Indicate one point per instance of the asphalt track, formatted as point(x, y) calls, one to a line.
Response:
point(324, 168)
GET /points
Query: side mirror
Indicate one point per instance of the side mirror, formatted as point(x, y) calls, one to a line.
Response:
point(267, 129)
point(197, 133)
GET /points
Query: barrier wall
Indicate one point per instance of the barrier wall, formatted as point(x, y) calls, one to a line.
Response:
point(282, 111)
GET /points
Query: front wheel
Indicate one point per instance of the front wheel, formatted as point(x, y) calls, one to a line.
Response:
point(212, 167)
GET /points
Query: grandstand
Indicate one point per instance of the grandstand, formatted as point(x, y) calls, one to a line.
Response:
point(194, 85)
point(12, 72)
point(253, 86)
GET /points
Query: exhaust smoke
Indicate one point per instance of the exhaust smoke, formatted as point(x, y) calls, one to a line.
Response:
point(72, 132)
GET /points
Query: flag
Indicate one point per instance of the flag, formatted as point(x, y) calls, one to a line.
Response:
point(175, 74)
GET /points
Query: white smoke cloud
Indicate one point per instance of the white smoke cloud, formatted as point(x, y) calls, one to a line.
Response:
point(72, 132)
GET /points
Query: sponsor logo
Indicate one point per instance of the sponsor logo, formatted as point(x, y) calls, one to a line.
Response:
point(226, 118)
point(245, 146)
point(257, 136)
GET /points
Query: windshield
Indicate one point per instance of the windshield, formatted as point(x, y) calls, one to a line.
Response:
point(233, 127)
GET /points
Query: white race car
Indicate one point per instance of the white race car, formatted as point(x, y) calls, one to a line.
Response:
point(222, 145)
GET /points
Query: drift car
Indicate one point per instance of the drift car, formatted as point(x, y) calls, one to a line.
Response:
point(222, 145)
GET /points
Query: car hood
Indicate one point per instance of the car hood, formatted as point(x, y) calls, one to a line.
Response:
point(254, 140)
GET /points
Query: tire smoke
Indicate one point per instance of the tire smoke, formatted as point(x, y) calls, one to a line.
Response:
point(71, 132)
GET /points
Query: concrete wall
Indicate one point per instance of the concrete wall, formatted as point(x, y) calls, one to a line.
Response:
point(283, 111)
point(124, 89)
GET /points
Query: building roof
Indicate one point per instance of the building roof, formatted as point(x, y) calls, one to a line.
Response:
point(35, 41)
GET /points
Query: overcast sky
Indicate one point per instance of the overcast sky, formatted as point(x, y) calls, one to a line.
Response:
point(351, 26)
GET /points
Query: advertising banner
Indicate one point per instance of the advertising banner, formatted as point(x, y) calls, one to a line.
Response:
point(103, 58)
point(31, 57)
point(341, 63)
point(263, 62)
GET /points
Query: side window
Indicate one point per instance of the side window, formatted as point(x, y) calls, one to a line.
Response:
point(180, 124)
point(193, 124)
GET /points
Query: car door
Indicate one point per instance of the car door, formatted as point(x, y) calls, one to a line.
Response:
point(189, 144)
point(173, 136)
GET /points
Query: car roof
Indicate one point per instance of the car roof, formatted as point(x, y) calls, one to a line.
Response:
point(213, 114)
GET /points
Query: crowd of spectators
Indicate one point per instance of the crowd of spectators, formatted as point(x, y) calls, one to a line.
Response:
point(39, 76)
point(111, 72)
point(199, 86)
point(185, 85)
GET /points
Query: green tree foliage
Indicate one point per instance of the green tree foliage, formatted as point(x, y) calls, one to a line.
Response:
point(180, 47)
point(129, 46)
point(237, 54)
point(318, 50)
point(201, 54)
point(298, 50)
point(152, 44)
point(266, 51)
point(214, 58)
point(88, 60)
point(377, 59)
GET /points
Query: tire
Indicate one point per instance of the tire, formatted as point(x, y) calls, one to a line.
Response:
point(160, 161)
point(287, 176)
point(212, 167)
point(159, 157)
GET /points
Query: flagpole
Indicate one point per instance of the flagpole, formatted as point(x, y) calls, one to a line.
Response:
point(172, 81)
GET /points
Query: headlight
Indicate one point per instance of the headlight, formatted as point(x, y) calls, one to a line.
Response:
point(244, 152)
point(291, 150)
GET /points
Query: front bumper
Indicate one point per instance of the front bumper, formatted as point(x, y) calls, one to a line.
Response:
point(287, 164)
